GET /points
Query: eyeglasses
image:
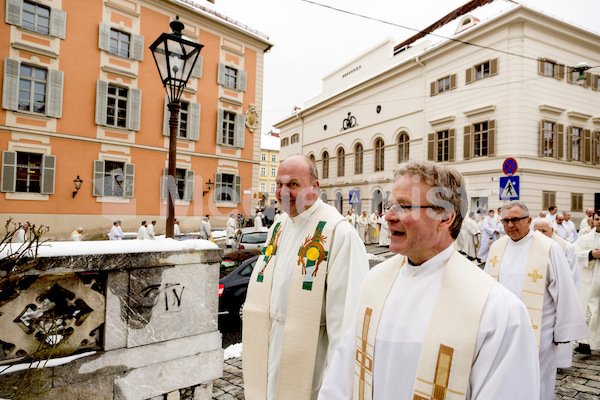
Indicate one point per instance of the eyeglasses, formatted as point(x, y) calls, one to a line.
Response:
point(514, 220)
point(401, 209)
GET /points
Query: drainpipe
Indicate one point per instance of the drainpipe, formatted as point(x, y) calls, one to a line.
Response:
point(424, 98)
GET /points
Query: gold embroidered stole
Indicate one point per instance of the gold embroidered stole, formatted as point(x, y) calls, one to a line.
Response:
point(303, 315)
point(534, 280)
point(447, 353)
point(561, 242)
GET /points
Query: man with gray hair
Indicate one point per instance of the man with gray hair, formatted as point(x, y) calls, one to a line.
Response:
point(430, 315)
point(535, 269)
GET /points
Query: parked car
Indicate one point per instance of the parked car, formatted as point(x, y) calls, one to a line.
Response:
point(233, 287)
point(231, 260)
point(250, 238)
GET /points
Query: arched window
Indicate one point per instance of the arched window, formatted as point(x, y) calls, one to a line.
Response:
point(341, 161)
point(325, 165)
point(324, 197)
point(377, 202)
point(312, 157)
point(358, 159)
point(379, 155)
point(403, 147)
point(339, 202)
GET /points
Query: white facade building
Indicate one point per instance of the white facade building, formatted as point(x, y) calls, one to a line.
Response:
point(495, 80)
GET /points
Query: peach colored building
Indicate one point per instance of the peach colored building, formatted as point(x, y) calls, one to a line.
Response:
point(81, 97)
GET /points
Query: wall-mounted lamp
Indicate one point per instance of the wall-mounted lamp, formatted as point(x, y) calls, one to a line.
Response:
point(77, 183)
point(209, 185)
point(581, 68)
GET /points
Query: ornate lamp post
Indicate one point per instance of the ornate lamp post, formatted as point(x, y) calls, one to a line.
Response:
point(175, 58)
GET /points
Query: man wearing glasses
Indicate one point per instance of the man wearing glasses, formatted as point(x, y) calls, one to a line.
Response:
point(430, 321)
point(535, 268)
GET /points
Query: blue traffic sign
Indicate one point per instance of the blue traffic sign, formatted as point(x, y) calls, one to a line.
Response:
point(509, 188)
point(354, 196)
point(509, 167)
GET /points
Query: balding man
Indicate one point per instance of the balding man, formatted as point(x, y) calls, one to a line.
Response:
point(570, 226)
point(542, 214)
point(303, 290)
point(586, 225)
point(559, 229)
point(565, 350)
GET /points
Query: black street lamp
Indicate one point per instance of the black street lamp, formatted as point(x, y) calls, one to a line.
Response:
point(175, 58)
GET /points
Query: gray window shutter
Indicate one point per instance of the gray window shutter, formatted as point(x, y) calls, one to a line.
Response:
point(453, 81)
point(491, 138)
point(237, 189)
point(220, 127)
point(467, 142)
point(9, 170)
point(559, 142)
point(137, 47)
point(431, 146)
point(58, 23)
point(469, 76)
point(569, 143)
point(197, 71)
point(163, 184)
point(98, 183)
point(221, 74)
point(55, 93)
point(588, 79)
point(541, 141)
point(240, 130)
point(541, 66)
point(166, 117)
point(104, 37)
point(194, 122)
point(242, 79)
point(128, 180)
point(451, 144)
point(134, 109)
point(587, 146)
point(559, 71)
point(13, 12)
point(188, 193)
point(218, 186)
point(494, 67)
point(101, 103)
point(434, 88)
point(48, 173)
point(10, 99)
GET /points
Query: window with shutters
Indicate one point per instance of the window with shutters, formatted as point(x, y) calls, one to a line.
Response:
point(325, 165)
point(263, 171)
point(188, 122)
point(273, 157)
point(29, 173)
point(295, 138)
point(443, 84)
point(119, 43)
point(231, 77)
point(263, 186)
point(575, 143)
point(227, 188)
point(596, 147)
point(481, 139)
point(358, 158)
point(284, 142)
point(113, 178)
point(263, 157)
point(551, 69)
point(25, 172)
point(32, 89)
point(228, 128)
point(183, 119)
point(548, 199)
point(403, 147)
point(551, 139)
point(482, 71)
point(341, 162)
point(379, 155)
point(442, 145)
point(116, 106)
point(577, 202)
point(36, 17)
point(183, 184)
point(180, 180)
point(573, 76)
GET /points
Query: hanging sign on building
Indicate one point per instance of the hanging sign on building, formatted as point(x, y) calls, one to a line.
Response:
point(509, 188)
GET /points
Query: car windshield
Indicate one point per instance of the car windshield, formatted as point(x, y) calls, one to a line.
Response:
point(254, 237)
point(226, 267)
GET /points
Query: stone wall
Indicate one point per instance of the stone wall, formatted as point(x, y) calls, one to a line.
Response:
point(150, 317)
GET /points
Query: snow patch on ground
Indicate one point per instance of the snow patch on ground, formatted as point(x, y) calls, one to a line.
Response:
point(44, 363)
point(233, 351)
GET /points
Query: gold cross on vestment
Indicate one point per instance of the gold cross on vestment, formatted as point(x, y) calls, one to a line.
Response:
point(442, 375)
point(535, 276)
point(362, 357)
point(534, 326)
point(495, 261)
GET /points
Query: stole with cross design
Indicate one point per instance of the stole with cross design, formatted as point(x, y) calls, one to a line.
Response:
point(303, 315)
point(534, 279)
point(447, 353)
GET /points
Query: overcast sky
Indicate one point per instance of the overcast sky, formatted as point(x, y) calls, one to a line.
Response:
point(310, 41)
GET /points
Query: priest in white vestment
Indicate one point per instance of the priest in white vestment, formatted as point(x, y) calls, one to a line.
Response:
point(561, 320)
point(565, 350)
point(384, 232)
point(280, 326)
point(230, 230)
point(570, 228)
point(488, 235)
point(586, 221)
point(401, 332)
point(362, 224)
point(373, 228)
point(588, 252)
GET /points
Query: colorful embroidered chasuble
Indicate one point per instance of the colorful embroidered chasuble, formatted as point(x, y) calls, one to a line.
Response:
point(303, 316)
point(447, 353)
point(534, 280)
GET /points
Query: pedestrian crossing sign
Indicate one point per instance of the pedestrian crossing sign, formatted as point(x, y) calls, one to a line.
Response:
point(354, 197)
point(509, 188)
